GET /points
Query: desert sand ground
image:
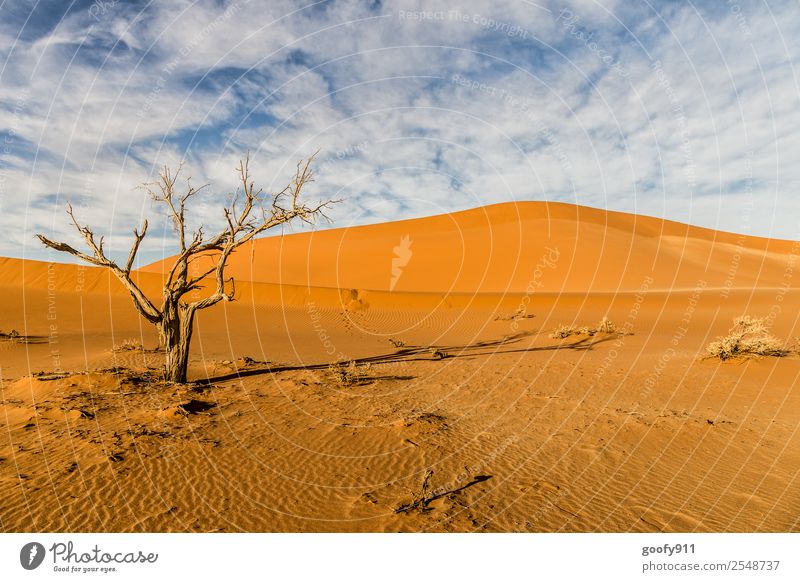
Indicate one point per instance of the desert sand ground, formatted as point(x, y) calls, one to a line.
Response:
point(460, 412)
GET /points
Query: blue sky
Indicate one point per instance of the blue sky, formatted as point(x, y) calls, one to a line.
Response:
point(684, 110)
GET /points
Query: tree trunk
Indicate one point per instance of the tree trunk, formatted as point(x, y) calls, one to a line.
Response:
point(176, 334)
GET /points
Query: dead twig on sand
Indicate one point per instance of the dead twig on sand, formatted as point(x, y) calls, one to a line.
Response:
point(426, 497)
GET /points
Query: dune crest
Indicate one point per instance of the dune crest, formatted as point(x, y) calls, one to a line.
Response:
point(513, 248)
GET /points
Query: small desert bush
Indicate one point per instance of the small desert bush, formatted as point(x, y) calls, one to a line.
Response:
point(605, 326)
point(12, 336)
point(129, 345)
point(563, 331)
point(437, 354)
point(349, 373)
point(747, 337)
point(520, 313)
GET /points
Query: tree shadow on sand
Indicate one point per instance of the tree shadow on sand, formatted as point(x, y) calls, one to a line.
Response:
point(505, 345)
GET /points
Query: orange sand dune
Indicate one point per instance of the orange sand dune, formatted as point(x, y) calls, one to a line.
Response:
point(511, 248)
point(458, 398)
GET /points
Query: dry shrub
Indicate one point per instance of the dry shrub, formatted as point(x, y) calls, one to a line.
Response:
point(349, 373)
point(12, 336)
point(437, 354)
point(563, 331)
point(748, 337)
point(606, 326)
point(520, 313)
point(129, 345)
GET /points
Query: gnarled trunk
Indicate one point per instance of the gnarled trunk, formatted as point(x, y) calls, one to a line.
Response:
point(176, 335)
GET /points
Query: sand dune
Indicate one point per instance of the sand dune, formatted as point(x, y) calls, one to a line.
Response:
point(511, 431)
point(506, 248)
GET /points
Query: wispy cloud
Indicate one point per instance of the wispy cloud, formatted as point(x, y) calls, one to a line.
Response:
point(682, 110)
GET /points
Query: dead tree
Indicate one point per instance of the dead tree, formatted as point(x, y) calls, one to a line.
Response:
point(250, 213)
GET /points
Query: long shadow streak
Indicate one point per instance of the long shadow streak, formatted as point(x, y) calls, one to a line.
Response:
point(416, 353)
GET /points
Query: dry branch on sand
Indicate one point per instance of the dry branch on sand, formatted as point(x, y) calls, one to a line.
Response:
point(606, 326)
point(426, 496)
point(748, 337)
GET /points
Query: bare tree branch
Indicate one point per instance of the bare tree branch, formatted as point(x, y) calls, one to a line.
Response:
point(143, 305)
point(249, 213)
point(139, 237)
